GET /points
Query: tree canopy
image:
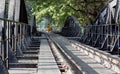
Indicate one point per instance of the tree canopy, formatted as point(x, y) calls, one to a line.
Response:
point(58, 10)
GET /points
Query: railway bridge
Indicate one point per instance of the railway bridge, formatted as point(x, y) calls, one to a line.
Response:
point(24, 50)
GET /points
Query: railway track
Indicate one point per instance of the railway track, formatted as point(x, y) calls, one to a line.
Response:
point(64, 61)
point(59, 55)
point(82, 61)
point(50, 59)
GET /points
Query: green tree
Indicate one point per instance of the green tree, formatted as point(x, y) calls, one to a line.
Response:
point(58, 10)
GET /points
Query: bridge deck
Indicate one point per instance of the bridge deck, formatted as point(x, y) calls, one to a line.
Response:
point(46, 63)
point(87, 64)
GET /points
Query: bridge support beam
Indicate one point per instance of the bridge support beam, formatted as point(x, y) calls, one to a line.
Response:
point(33, 25)
point(3, 69)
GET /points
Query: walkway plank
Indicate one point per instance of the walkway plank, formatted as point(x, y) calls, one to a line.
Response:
point(47, 63)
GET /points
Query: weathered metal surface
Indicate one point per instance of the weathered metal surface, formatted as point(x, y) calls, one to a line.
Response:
point(2, 8)
point(17, 10)
point(11, 10)
point(3, 69)
point(104, 33)
point(33, 25)
point(71, 27)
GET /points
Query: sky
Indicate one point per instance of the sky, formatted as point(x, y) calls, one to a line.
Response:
point(43, 24)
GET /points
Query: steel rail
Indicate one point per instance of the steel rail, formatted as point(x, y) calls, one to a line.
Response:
point(72, 64)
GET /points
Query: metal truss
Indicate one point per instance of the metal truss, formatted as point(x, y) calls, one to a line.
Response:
point(103, 33)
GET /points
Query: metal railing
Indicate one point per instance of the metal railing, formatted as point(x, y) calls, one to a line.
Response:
point(105, 37)
point(11, 34)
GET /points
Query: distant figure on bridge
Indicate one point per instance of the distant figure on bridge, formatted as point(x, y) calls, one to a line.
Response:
point(48, 28)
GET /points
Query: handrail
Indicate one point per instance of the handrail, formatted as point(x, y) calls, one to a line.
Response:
point(12, 37)
point(4, 19)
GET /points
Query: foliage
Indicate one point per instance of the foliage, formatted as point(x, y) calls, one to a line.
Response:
point(58, 10)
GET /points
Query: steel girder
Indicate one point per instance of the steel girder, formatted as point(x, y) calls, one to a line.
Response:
point(104, 33)
point(12, 33)
point(71, 27)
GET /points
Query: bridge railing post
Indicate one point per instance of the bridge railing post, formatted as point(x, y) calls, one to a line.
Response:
point(13, 34)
